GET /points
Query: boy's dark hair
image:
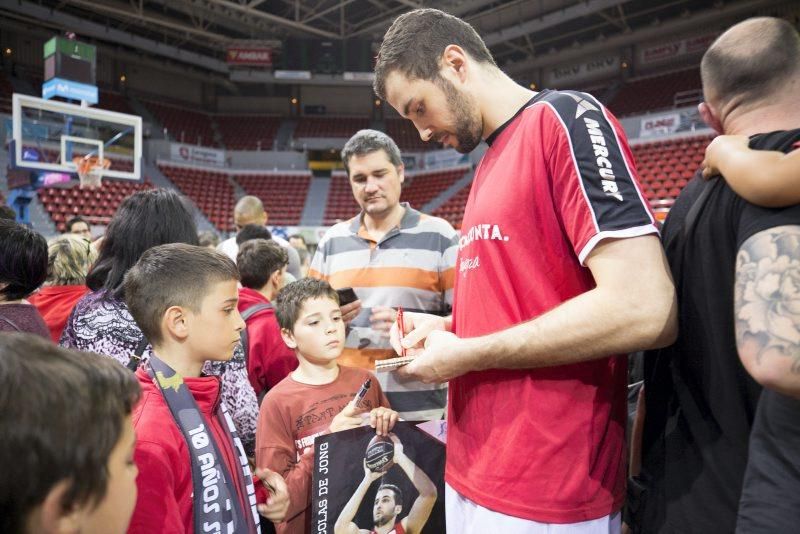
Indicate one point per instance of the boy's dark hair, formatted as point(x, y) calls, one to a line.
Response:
point(172, 275)
point(398, 494)
point(252, 231)
point(208, 238)
point(258, 259)
point(23, 260)
point(415, 42)
point(62, 415)
point(8, 213)
point(143, 220)
point(74, 220)
point(292, 297)
point(300, 237)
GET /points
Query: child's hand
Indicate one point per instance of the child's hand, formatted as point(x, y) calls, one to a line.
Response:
point(278, 501)
point(346, 419)
point(382, 420)
point(719, 149)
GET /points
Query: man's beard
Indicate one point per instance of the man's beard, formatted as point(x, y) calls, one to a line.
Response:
point(383, 519)
point(468, 128)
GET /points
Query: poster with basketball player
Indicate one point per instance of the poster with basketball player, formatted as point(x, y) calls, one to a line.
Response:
point(364, 483)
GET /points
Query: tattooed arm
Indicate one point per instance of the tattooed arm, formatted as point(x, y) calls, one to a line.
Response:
point(767, 308)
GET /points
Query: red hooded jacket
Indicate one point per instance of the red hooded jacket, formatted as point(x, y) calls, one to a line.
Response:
point(165, 503)
point(269, 360)
point(55, 303)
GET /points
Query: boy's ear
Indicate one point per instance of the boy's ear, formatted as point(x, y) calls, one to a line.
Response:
point(175, 322)
point(276, 278)
point(51, 516)
point(288, 338)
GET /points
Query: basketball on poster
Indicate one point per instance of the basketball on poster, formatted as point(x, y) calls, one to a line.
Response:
point(364, 483)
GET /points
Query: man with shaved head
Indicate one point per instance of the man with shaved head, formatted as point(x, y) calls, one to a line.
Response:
point(732, 263)
point(250, 210)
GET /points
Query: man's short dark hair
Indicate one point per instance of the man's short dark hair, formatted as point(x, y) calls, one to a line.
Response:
point(398, 494)
point(63, 414)
point(291, 298)
point(252, 231)
point(172, 275)
point(258, 259)
point(7, 213)
point(23, 260)
point(298, 236)
point(208, 238)
point(368, 141)
point(751, 61)
point(415, 42)
point(75, 220)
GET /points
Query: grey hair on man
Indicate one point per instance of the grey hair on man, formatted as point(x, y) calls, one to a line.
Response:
point(369, 141)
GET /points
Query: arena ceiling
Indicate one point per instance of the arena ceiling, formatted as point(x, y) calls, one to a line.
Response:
point(517, 31)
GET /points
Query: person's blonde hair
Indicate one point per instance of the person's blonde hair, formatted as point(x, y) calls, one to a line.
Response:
point(69, 258)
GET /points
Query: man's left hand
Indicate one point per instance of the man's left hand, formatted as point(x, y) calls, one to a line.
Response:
point(382, 318)
point(445, 356)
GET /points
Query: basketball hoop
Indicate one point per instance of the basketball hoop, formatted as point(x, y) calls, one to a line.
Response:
point(90, 170)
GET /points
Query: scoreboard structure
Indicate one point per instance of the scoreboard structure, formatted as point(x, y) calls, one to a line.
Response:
point(70, 70)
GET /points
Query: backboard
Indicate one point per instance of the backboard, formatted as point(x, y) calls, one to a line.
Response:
point(48, 135)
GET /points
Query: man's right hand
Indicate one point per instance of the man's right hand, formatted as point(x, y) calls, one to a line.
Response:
point(417, 327)
point(350, 311)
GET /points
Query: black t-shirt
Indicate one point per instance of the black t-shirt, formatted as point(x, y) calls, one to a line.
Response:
point(771, 492)
point(700, 401)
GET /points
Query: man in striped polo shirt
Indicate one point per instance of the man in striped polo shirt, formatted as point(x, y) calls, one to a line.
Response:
point(391, 255)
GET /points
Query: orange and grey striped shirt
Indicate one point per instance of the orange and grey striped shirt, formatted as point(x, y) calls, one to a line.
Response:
point(412, 266)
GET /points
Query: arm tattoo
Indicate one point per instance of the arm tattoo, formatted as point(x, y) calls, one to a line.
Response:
point(767, 295)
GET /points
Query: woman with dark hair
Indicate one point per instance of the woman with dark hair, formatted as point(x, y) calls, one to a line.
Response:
point(69, 257)
point(23, 268)
point(101, 322)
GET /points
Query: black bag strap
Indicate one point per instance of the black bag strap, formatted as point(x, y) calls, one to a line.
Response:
point(689, 222)
point(136, 357)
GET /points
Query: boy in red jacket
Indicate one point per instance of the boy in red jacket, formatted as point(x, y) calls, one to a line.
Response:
point(193, 473)
point(262, 266)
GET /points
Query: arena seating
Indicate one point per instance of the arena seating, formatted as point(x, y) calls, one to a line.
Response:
point(211, 190)
point(423, 187)
point(406, 136)
point(183, 125)
point(248, 132)
point(653, 94)
point(666, 166)
point(6, 90)
point(95, 205)
point(453, 210)
point(114, 102)
point(341, 204)
point(283, 195)
point(329, 126)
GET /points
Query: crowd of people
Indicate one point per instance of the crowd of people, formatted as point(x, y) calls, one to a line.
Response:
point(157, 380)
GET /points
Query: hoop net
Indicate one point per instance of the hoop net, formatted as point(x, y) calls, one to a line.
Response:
point(90, 170)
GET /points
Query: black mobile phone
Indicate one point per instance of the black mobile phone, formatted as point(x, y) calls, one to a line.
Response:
point(346, 295)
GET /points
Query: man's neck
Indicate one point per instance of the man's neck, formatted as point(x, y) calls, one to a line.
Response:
point(379, 226)
point(775, 116)
point(499, 98)
point(177, 357)
point(385, 528)
point(315, 374)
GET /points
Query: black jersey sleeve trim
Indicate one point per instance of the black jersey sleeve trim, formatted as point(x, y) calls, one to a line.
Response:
point(606, 177)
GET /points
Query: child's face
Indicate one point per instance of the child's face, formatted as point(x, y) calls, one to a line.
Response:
point(113, 513)
point(214, 329)
point(318, 332)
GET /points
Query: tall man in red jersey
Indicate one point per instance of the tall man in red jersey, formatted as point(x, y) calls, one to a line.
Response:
point(560, 272)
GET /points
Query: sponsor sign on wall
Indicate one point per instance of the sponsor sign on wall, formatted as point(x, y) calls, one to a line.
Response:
point(197, 154)
point(660, 124)
point(676, 48)
point(257, 56)
point(594, 68)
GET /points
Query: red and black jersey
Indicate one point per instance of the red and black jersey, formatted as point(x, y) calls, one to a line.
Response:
point(544, 444)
